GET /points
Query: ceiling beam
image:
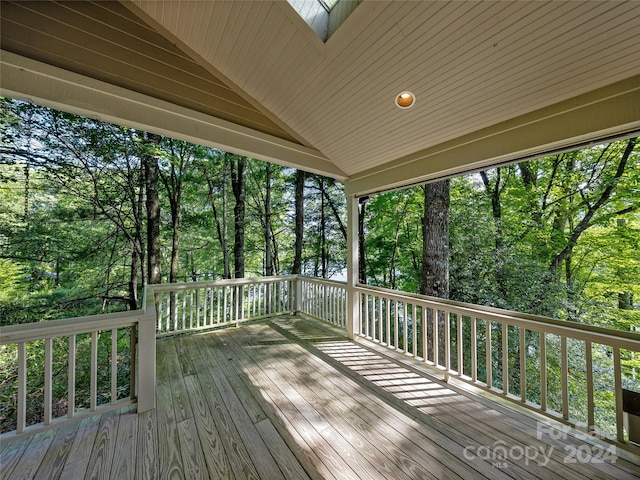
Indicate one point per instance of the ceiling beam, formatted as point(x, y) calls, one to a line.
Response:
point(607, 111)
point(43, 84)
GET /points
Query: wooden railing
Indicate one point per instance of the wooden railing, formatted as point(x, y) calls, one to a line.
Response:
point(569, 371)
point(196, 306)
point(90, 365)
point(322, 299)
point(85, 366)
point(565, 370)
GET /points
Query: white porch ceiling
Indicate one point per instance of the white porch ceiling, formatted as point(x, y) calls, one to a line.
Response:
point(479, 70)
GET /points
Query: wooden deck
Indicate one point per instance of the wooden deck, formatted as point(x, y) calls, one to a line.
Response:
point(289, 398)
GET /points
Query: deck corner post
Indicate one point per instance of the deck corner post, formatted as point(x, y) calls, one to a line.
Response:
point(147, 357)
point(297, 288)
point(353, 312)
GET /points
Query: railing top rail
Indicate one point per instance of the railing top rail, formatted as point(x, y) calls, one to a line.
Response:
point(165, 287)
point(68, 326)
point(321, 280)
point(608, 336)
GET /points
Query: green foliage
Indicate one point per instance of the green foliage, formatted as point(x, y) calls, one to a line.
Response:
point(558, 236)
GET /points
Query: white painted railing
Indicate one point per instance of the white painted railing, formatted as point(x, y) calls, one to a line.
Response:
point(196, 306)
point(119, 342)
point(322, 299)
point(481, 346)
point(509, 354)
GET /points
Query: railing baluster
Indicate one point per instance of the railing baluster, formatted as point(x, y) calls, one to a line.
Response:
point(589, 368)
point(617, 379)
point(564, 376)
point(48, 367)
point(447, 344)
point(168, 312)
point(523, 366)
point(388, 318)
point(184, 311)
point(380, 320)
point(505, 358)
point(158, 298)
point(489, 354)
point(366, 316)
point(396, 335)
point(543, 371)
point(460, 344)
point(474, 349)
point(71, 378)
point(225, 306)
point(94, 371)
point(205, 305)
point(173, 301)
point(197, 313)
point(414, 330)
point(436, 334)
point(114, 366)
point(405, 328)
point(191, 309)
point(22, 387)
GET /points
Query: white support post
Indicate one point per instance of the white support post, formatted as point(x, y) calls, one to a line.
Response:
point(353, 310)
point(297, 284)
point(147, 358)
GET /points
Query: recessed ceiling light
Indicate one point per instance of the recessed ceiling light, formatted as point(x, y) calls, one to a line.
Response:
point(405, 99)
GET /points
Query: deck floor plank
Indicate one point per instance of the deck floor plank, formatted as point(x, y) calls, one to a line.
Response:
point(215, 456)
point(80, 453)
point(319, 454)
point(438, 438)
point(260, 455)
point(288, 365)
point(334, 401)
point(56, 457)
point(125, 457)
point(102, 454)
point(234, 447)
point(287, 398)
point(147, 464)
point(32, 456)
point(169, 458)
point(498, 425)
point(193, 461)
point(284, 457)
point(175, 376)
point(11, 453)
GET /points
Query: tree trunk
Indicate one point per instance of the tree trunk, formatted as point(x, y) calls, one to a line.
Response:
point(220, 219)
point(494, 190)
point(268, 253)
point(625, 300)
point(238, 184)
point(323, 231)
point(223, 237)
point(153, 209)
point(176, 217)
point(133, 280)
point(435, 235)
point(299, 227)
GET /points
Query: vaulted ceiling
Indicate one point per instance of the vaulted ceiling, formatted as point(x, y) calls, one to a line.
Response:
point(494, 80)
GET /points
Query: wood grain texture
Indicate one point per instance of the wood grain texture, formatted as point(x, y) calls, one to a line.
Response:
point(33, 454)
point(147, 448)
point(56, 457)
point(124, 457)
point(102, 454)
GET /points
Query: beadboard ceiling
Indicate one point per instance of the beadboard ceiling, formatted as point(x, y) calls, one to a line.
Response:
point(473, 65)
